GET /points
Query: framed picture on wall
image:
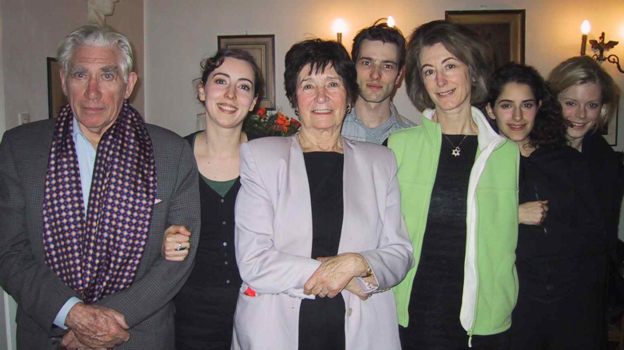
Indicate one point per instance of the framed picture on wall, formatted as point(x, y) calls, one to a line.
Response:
point(262, 48)
point(56, 97)
point(503, 29)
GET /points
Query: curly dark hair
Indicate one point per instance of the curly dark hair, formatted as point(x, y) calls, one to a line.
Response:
point(549, 129)
point(319, 54)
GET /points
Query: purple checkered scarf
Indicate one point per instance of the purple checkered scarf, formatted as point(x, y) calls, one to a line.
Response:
point(99, 255)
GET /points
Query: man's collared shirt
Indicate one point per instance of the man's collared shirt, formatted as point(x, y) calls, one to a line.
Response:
point(86, 153)
point(354, 129)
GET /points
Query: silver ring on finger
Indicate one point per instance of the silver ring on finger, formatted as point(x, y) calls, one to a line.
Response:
point(179, 247)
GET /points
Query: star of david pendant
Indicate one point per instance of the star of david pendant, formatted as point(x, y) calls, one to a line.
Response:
point(456, 151)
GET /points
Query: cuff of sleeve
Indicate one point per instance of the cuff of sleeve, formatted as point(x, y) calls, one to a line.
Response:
point(59, 321)
point(366, 286)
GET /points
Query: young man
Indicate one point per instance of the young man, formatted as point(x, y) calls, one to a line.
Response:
point(379, 56)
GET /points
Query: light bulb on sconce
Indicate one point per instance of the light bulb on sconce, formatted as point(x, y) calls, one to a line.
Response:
point(585, 29)
point(599, 47)
point(391, 22)
point(339, 27)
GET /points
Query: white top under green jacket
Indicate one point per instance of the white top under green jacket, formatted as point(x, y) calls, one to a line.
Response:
point(490, 286)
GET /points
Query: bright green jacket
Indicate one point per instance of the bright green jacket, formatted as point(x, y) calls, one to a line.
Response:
point(490, 288)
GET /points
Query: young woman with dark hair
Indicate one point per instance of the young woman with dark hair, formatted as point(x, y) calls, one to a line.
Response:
point(229, 88)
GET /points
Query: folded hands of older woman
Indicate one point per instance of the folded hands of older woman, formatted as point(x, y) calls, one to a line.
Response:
point(337, 273)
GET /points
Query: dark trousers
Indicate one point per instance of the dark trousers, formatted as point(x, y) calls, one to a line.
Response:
point(411, 340)
point(575, 319)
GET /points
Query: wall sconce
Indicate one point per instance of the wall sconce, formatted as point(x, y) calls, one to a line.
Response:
point(339, 27)
point(585, 29)
point(599, 47)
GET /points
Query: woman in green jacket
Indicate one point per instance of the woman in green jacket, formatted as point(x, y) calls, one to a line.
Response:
point(459, 197)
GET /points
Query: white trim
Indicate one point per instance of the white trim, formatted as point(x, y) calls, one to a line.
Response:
point(489, 140)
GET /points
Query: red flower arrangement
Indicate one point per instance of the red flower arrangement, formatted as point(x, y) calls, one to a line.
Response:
point(270, 123)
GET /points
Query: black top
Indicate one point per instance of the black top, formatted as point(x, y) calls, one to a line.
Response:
point(206, 303)
point(436, 296)
point(607, 177)
point(321, 321)
point(550, 256)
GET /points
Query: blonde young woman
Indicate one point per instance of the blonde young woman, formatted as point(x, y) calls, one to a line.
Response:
point(589, 97)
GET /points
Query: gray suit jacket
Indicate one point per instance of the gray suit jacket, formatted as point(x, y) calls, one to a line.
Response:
point(274, 242)
point(40, 294)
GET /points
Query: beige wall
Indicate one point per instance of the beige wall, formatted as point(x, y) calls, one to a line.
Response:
point(128, 19)
point(178, 34)
point(36, 27)
point(7, 304)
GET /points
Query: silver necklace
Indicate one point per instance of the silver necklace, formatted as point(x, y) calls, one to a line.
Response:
point(455, 149)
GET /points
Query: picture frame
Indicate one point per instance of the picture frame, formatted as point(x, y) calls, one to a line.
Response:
point(56, 97)
point(503, 29)
point(262, 48)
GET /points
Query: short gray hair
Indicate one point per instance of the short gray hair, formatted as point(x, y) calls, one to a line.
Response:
point(99, 36)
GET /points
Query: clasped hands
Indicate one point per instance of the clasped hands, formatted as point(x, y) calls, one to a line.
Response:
point(337, 273)
point(94, 327)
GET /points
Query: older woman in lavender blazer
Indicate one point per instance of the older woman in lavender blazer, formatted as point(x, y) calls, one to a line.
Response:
point(319, 234)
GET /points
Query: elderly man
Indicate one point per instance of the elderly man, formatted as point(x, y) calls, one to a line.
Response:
point(84, 202)
point(379, 56)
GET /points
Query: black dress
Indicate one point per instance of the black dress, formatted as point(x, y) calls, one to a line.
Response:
point(607, 177)
point(436, 296)
point(562, 263)
point(206, 303)
point(321, 321)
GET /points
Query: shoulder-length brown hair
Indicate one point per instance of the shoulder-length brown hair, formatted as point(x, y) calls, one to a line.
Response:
point(463, 43)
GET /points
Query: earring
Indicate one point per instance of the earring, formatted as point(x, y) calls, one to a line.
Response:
point(349, 108)
point(297, 112)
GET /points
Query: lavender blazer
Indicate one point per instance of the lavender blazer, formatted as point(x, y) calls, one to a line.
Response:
point(274, 242)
